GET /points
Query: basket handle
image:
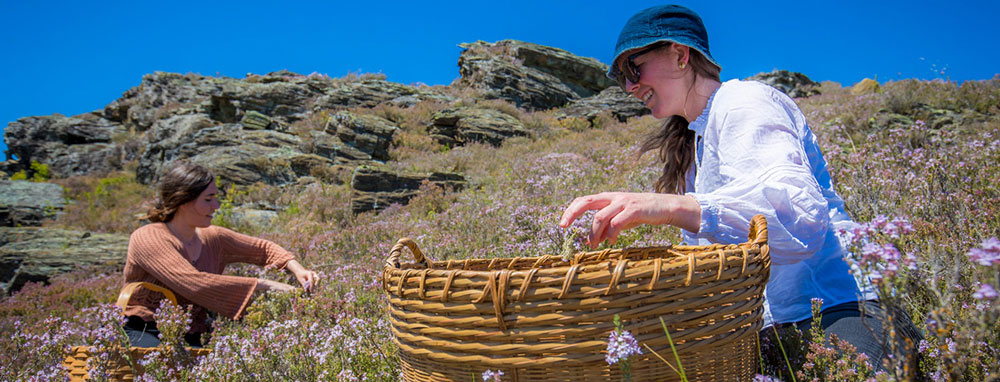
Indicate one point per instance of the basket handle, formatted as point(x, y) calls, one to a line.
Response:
point(126, 292)
point(396, 251)
point(758, 230)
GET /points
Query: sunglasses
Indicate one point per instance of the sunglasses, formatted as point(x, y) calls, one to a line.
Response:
point(628, 70)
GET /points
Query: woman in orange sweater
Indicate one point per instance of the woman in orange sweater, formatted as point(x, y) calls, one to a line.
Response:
point(182, 251)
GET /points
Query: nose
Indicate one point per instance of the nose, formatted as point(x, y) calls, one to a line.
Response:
point(631, 87)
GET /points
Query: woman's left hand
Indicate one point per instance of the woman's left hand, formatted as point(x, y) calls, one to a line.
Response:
point(306, 278)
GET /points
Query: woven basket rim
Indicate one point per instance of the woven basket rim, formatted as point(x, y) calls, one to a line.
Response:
point(757, 240)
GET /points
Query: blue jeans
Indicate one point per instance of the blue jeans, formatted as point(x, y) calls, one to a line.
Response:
point(858, 323)
point(144, 334)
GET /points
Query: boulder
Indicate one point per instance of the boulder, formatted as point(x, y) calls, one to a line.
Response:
point(69, 146)
point(368, 134)
point(531, 76)
point(458, 126)
point(620, 104)
point(35, 254)
point(244, 219)
point(374, 188)
point(792, 83)
point(24, 203)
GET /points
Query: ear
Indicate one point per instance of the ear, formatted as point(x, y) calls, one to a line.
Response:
point(683, 53)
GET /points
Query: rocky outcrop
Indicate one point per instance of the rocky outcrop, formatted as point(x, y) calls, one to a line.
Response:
point(372, 92)
point(375, 188)
point(792, 83)
point(35, 254)
point(245, 156)
point(80, 145)
point(531, 76)
point(620, 104)
point(458, 126)
point(362, 137)
point(25, 204)
point(172, 116)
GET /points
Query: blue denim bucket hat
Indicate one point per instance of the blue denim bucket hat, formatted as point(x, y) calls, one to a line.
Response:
point(672, 23)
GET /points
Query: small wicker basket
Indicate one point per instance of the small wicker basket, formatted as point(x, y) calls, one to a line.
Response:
point(76, 361)
point(543, 319)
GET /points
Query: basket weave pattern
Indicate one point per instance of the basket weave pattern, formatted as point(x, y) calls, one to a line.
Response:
point(543, 319)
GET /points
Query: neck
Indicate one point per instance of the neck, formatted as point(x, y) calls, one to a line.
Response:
point(184, 232)
point(698, 96)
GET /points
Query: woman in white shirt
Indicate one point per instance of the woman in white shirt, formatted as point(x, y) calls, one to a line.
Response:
point(730, 151)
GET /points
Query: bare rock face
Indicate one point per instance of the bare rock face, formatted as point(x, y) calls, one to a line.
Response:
point(614, 100)
point(244, 156)
point(368, 135)
point(35, 253)
point(372, 92)
point(458, 126)
point(24, 204)
point(531, 76)
point(376, 188)
point(68, 145)
point(792, 83)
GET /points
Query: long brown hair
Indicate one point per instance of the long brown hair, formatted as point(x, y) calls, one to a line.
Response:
point(182, 183)
point(674, 142)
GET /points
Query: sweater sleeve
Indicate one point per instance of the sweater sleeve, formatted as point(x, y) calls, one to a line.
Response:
point(240, 248)
point(766, 171)
point(226, 295)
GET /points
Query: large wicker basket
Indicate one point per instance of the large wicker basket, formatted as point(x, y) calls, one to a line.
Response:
point(543, 319)
point(76, 361)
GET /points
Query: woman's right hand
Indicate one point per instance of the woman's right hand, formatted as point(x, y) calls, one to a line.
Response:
point(618, 211)
point(267, 285)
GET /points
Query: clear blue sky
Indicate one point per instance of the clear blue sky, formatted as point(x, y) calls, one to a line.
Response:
point(72, 57)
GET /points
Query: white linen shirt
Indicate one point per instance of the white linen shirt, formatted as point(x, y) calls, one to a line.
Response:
point(755, 154)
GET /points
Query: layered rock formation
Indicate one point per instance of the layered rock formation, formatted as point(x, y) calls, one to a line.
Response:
point(377, 188)
point(35, 254)
point(531, 76)
point(239, 128)
point(792, 83)
point(458, 126)
point(620, 104)
point(25, 204)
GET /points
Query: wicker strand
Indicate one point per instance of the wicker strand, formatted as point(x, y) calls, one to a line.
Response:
point(526, 283)
point(616, 276)
point(657, 265)
point(402, 279)
point(423, 283)
point(743, 270)
point(447, 286)
point(570, 275)
point(691, 265)
point(722, 264)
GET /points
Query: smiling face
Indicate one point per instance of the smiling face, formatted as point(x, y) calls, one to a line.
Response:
point(198, 212)
point(664, 80)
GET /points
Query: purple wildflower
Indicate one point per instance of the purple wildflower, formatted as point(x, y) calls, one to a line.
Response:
point(765, 378)
point(621, 346)
point(492, 376)
point(985, 292)
point(988, 254)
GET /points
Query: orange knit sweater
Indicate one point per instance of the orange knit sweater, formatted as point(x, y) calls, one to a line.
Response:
point(155, 255)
